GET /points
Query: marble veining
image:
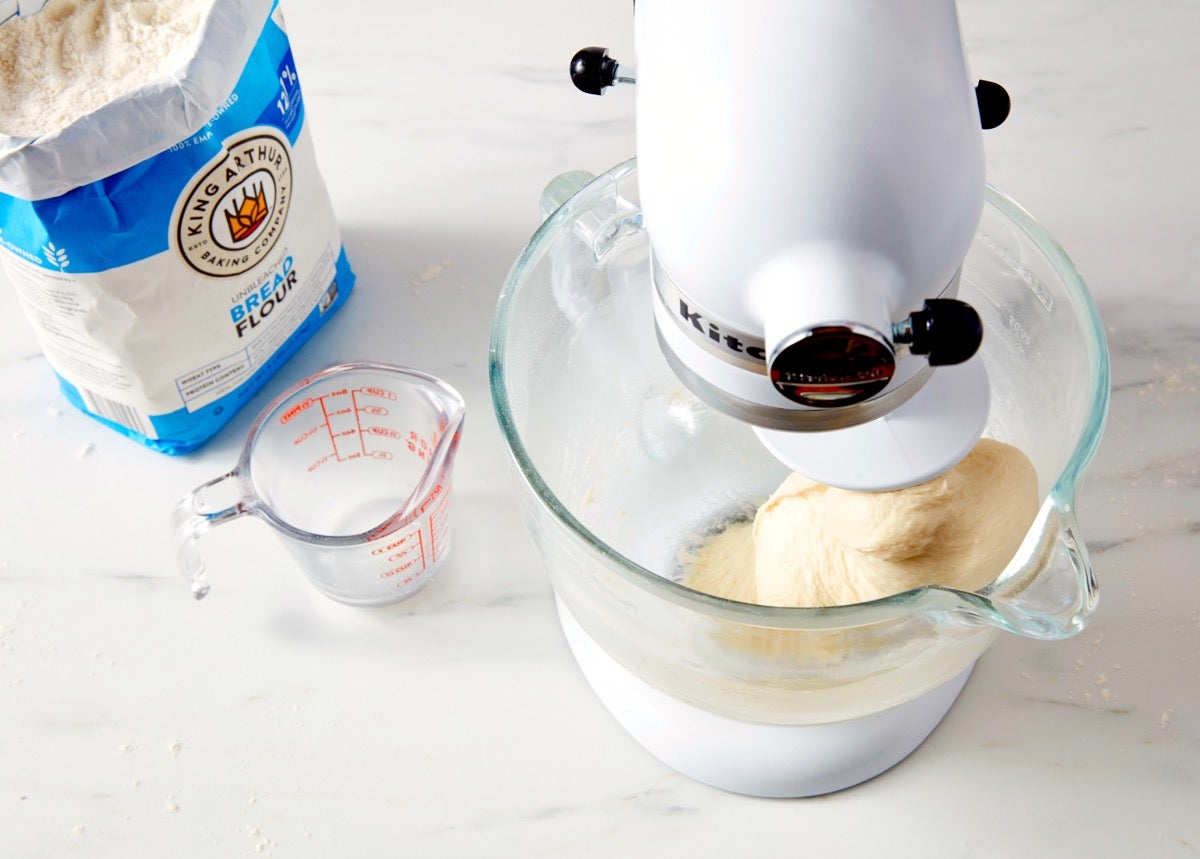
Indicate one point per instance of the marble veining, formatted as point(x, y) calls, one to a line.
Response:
point(267, 720)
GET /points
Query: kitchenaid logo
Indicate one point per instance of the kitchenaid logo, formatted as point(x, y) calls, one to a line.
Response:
point(694, 322)
point(234, 212)
point(740, 348)
point(796, 377)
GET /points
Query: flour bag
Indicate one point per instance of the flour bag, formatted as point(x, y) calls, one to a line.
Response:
point(162, 217)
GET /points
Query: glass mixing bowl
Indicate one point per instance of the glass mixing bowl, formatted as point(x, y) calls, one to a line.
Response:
point(619, 469)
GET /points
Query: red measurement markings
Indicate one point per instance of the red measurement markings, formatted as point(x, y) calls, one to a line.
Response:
point(295, 410)
point(357, 409)
point(377, 411)
point(329, 428)
point(306, 435)
point(438, 521)
point(358, 422)
point(422, 447)
point(382, 393)
point(403, 555)
point(320, 462)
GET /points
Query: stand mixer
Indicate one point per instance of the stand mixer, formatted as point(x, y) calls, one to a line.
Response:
point(795, 275)
point(811, 177)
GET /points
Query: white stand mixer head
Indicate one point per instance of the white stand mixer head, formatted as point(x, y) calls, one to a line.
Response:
point(810, 175)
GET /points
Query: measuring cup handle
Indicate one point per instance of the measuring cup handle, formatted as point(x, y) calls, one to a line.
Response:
point(193, 517)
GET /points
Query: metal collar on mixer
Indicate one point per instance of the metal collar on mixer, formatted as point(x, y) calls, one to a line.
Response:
point(681, 325)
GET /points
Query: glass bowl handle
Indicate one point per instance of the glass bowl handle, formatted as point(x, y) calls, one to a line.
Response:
point(1053, 594)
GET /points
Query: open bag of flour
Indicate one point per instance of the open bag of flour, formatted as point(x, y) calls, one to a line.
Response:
point(162, 217)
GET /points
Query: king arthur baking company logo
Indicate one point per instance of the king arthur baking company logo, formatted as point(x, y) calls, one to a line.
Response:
point(234, 211)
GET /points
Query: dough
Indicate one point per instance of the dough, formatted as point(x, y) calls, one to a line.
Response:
point(723, 564)
point(814, 545)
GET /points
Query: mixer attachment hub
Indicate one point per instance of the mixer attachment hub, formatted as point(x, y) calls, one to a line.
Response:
point(832, 365)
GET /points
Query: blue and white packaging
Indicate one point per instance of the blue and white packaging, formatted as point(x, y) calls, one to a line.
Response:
point(173, 248)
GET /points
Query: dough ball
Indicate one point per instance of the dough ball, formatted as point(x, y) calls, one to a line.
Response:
point(815, 545)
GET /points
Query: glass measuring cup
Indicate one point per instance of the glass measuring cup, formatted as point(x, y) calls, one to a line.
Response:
point(352, 468)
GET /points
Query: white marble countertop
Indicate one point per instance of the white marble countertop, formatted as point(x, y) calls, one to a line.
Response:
point(269, 720)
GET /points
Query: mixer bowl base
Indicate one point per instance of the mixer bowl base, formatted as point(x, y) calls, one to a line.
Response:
point(750, 758)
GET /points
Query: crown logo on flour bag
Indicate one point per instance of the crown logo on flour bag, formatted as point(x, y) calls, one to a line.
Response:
point(249, 216)
point(235, 210)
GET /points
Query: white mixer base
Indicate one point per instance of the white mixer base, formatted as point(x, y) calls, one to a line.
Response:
point(751, 758)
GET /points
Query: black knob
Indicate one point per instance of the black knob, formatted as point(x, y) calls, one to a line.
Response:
point(947, 330)
point(994, 103)
point(593, 70)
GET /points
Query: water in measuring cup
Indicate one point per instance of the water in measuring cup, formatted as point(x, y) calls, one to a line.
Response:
point(352, 461)
point(371, 459)
point(352, 469)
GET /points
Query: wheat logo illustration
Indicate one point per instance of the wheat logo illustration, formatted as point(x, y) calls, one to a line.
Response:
point(56, 256)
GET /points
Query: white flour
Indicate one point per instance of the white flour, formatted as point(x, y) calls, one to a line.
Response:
point(77, 55)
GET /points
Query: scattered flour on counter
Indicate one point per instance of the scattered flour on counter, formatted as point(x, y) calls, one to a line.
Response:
point(77, 55)
point(428, 275)
point(1185, 380)
point(431, 273)
point(262, 844)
